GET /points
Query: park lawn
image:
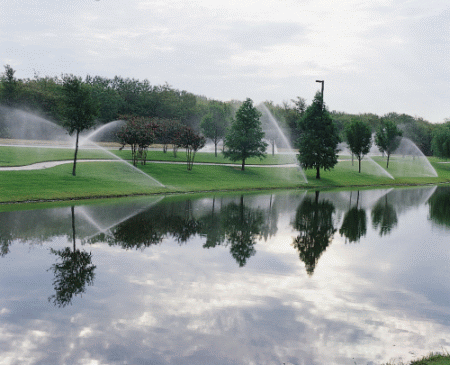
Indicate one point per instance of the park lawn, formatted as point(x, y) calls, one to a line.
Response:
point(109, 179)
point(21, 156)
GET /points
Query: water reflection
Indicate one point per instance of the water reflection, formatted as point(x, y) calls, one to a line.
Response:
point(218, 280)
point(384, 216)
point(72, 273)
point(439, 206)
point(314, 221)
point(354, 225)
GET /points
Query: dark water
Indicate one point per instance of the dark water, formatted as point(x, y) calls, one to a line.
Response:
point(293, 277)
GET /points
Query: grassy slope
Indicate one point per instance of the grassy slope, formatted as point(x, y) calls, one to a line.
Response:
point(100, 179)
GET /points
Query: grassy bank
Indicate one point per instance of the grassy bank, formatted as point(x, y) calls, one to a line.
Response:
point(432, 359)
point(108, 179)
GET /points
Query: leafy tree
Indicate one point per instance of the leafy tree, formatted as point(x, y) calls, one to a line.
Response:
point(10, 86)
point(166, 133)
point(80, 109)
point(314, 221)
point(139, 133)
point(214, 125)
point(191, 141)
point(387, 138)
point(319, 138)
point(359, 139)
point(441, 141)
point(245, 137)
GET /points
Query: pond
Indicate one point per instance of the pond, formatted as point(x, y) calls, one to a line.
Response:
point(294, 277)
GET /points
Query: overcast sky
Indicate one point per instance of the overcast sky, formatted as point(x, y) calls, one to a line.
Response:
point(375, 55)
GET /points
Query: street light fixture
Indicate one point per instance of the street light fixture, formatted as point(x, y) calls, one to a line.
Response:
point(322, 82)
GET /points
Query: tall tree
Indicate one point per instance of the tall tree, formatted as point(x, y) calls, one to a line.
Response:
point(214, 124)
point(388, 138)
point(245, 137)
point(319, 138)
point(359, 139)
point(80, 109)
point(441, 141)
point(10, 86)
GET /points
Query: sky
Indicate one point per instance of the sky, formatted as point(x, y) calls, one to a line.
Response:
point(375, 56)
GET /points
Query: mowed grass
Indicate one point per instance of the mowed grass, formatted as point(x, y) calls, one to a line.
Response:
point(21, 156)
point(109, 179)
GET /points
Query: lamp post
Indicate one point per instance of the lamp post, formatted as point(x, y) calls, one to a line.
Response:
point(323, 83)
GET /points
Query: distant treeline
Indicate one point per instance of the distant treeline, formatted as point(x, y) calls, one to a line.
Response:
point(120, 96)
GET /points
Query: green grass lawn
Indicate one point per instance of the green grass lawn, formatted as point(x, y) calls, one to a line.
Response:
point(107, 179)
point(432, 359)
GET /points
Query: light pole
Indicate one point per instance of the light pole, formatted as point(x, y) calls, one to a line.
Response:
point(323, 83)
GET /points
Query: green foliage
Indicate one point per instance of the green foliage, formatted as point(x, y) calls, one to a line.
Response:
point(80, 109)
point(387, 138)
point(319, 138)
point(359, 139)
point(190, 140)
point(214, 125)
point(9, 90)
point(245, 137)
point(139, 133)
point(441, 141)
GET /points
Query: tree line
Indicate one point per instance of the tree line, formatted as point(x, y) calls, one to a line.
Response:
point(182, 119)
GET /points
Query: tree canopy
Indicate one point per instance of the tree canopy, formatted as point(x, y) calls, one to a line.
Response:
point(387, 138)
point(80, 109)
point(359, 139)
point(245, 137)
point(318, 139)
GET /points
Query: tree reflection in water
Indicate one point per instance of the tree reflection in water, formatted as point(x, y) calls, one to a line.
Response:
point(439, 206)
point(354, 225)
point(242, 226)
point(314, 221)
point(73, 273)
point(384, 216)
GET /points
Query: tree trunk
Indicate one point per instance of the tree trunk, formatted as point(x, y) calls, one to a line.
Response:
point(215, 148)
point(243, 164)
point(387, 164)
point(75, 156)
point(359, 160)
point(317, 172)
point(72, 208)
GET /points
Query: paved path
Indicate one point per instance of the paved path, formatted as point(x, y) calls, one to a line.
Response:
point(49, 164)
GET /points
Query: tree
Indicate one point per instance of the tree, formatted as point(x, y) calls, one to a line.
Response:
point(80, 110)
point(387, 138)
point(214, 124)
point(191, 141)
point(139, 133)
point(10, 86)
point(318, 139)
point(441, 141)
point(245, 137)
point(314, 221)
point(359, 139)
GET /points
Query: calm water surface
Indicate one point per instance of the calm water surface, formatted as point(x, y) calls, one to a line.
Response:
point(292, 277)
